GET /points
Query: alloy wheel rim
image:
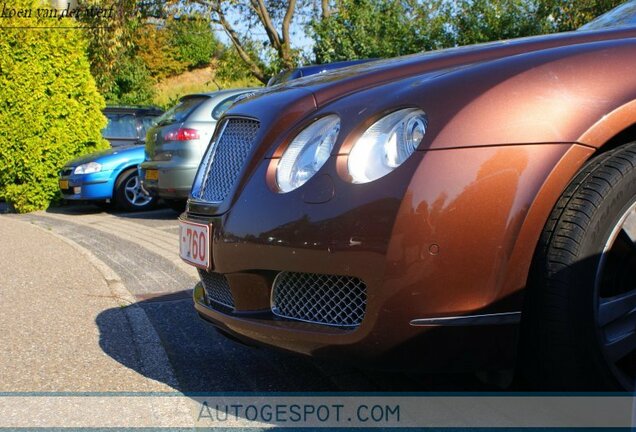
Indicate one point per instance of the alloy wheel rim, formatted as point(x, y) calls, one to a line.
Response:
point(135, 194)
point(616, 299)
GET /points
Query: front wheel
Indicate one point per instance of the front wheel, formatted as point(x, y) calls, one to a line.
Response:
point(129, 195)
point(579, 324)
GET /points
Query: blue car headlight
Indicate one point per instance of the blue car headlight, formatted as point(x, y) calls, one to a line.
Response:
point(88, 168)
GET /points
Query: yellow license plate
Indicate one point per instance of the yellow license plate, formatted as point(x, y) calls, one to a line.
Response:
point(152, 175)
point(63, 184)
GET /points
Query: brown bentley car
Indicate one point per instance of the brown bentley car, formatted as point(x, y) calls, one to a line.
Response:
point(465, 209)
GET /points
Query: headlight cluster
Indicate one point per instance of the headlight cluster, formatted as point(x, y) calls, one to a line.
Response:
point(384, 146)
point(88, 168)
point(307, 153)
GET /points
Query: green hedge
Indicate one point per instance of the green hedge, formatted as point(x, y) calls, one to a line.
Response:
point(50, 109)
point(193, 39)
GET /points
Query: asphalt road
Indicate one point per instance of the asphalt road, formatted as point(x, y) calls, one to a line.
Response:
point(141, 249)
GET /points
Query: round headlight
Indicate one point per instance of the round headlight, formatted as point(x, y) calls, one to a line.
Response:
point(88, 168)
point(386, 144)
point(307, 153)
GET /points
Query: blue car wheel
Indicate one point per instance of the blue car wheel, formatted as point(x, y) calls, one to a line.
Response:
point(129, 195)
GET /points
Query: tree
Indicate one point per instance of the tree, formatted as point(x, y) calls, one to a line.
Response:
point(274, 18)
point(193, 39)
point(175, 45)
point(231, 67)
point(132, 83)
point(486, 20)
point(387, 28)
point(50, 109)
point(475, 21)
point(160, 56)
point(146, 41)
point(567, 15)
point(374, 28)
point(110, 38)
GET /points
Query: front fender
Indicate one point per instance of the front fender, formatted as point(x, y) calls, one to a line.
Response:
point(469, 223)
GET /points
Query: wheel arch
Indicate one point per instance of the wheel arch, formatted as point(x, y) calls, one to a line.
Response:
point(539, 211)
point(120, 173)
point(612, 130)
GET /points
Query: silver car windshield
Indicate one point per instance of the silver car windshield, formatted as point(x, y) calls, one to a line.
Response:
point(181, 110)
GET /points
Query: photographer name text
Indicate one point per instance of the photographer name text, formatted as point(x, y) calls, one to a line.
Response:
point(80, 12)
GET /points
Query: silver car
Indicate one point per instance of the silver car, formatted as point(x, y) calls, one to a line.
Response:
point(176, 143)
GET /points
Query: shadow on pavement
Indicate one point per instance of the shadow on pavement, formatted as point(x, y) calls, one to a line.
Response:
point(161, 212)
point(6, 207)
point(205, 361)
point(75, 209)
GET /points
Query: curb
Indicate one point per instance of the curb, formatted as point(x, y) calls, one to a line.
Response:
point(153, 357)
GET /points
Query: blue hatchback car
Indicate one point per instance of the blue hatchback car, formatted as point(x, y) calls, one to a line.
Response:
point(111, 175)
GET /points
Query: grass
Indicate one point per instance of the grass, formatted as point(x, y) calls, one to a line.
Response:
point(168, 91)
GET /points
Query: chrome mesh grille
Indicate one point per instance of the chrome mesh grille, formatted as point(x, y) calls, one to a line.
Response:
point(322, 299)
point(217, 288)
point(224, 162)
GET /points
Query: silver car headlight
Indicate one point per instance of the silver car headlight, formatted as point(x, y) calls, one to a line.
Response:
point(386, 144)
point(88, 168)
point(307, 153)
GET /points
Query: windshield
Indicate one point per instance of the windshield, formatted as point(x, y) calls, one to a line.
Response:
point(181, 110)
point(120, 126)
point(621, 16)
point(146, 123)
point(284, 76)
point(223, 106)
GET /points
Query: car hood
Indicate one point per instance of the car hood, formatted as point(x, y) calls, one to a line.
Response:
point(110, 155)
point(332, 85)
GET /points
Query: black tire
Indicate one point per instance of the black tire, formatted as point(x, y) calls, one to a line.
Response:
point(178, 205)
point(128, 194)
point(572, 337)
